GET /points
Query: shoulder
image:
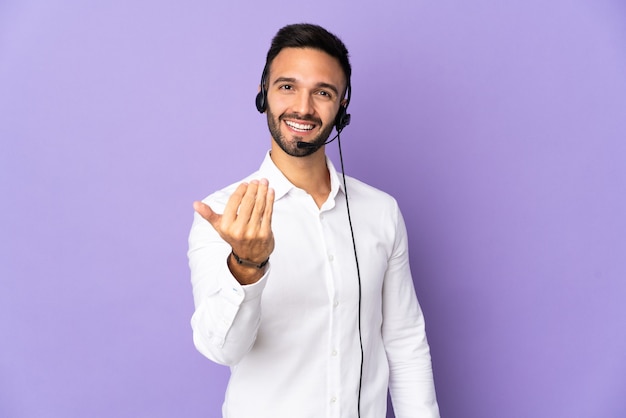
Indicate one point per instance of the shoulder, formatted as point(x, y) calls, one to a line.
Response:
point(373, 204)
point(376, 215)
point(359, 191)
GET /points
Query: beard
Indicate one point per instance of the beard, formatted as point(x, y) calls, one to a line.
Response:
point(291, 147)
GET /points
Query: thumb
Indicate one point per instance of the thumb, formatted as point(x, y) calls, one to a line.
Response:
point(206, 212)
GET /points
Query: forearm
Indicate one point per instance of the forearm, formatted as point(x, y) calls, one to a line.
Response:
point(411, 385)
point(225, 323)
point(411, 382)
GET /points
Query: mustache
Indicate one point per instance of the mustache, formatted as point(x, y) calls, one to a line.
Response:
point(304, 118)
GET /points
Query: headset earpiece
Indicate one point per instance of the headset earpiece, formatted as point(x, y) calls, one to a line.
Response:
point(261, 100)
point(342, 119)
point(261, 97)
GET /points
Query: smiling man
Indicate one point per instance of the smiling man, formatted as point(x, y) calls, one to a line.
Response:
point(332, 321)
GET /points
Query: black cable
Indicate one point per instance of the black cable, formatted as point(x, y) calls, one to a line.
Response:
point(358, 272)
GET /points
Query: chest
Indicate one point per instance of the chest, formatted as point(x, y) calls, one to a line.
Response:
point(314, 261)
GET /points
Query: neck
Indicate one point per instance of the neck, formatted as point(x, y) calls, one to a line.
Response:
point(308, 173)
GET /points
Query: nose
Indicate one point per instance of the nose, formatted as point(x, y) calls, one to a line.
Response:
point(303, 104)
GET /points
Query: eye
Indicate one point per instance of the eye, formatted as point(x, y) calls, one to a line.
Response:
point(325, 93)
point(286, 87)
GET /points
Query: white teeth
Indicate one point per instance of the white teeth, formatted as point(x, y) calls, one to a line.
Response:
point(299, 126)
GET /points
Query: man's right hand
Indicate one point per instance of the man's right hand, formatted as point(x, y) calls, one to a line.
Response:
point(246, 225)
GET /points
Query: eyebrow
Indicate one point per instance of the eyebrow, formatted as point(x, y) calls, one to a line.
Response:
point(318, 85)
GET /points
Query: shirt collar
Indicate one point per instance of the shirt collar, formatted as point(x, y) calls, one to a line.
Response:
point(282, 185)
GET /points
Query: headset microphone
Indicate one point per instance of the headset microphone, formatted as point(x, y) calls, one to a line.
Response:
point(309, 145)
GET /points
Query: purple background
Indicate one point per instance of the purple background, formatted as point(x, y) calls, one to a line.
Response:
point(499, 126)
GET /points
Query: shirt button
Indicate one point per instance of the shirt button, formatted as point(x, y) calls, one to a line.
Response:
point(334, 353)
point(333, 399)
point(336, 304)
point(331, 258)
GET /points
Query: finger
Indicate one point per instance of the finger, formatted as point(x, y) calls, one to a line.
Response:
point(247, 203)
point(266, 221)
point(259, 204)
point(206, 212)
point(232, 206)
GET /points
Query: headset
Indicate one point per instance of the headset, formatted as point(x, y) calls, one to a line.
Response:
point(342, 119)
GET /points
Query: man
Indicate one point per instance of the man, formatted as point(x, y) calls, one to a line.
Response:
point(332, 321)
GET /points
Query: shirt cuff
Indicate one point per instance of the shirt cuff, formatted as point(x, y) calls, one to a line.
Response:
point(236, 293)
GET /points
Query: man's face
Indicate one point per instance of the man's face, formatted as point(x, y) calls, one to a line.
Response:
point(304, 93)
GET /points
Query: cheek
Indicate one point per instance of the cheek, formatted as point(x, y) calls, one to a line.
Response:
point(330, 116)
point(278, 103)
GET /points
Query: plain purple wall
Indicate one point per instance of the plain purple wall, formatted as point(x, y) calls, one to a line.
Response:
point(499, 126)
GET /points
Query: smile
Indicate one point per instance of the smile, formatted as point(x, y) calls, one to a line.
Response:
point(302, 127)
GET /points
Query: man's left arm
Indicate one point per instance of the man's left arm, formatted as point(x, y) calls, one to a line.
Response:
point(410, 369)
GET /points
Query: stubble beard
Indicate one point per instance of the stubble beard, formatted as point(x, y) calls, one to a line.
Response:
point(291, 147)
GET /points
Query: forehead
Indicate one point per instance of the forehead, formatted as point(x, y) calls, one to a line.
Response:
point(307, 64)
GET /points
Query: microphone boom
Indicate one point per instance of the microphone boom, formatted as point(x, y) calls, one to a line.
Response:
point(302, 144)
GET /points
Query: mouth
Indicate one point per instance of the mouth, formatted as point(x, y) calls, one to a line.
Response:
point(300, 127)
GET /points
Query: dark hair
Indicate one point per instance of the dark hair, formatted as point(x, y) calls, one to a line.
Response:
point(306, 35)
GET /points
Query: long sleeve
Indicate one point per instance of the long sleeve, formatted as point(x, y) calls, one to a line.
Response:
point(227, 315)
point(411, 379)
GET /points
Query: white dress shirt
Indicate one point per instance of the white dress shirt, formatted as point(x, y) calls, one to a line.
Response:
point(292, 339)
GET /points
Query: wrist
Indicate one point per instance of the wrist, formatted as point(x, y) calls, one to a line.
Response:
point(249, 263)
point(245, 272)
